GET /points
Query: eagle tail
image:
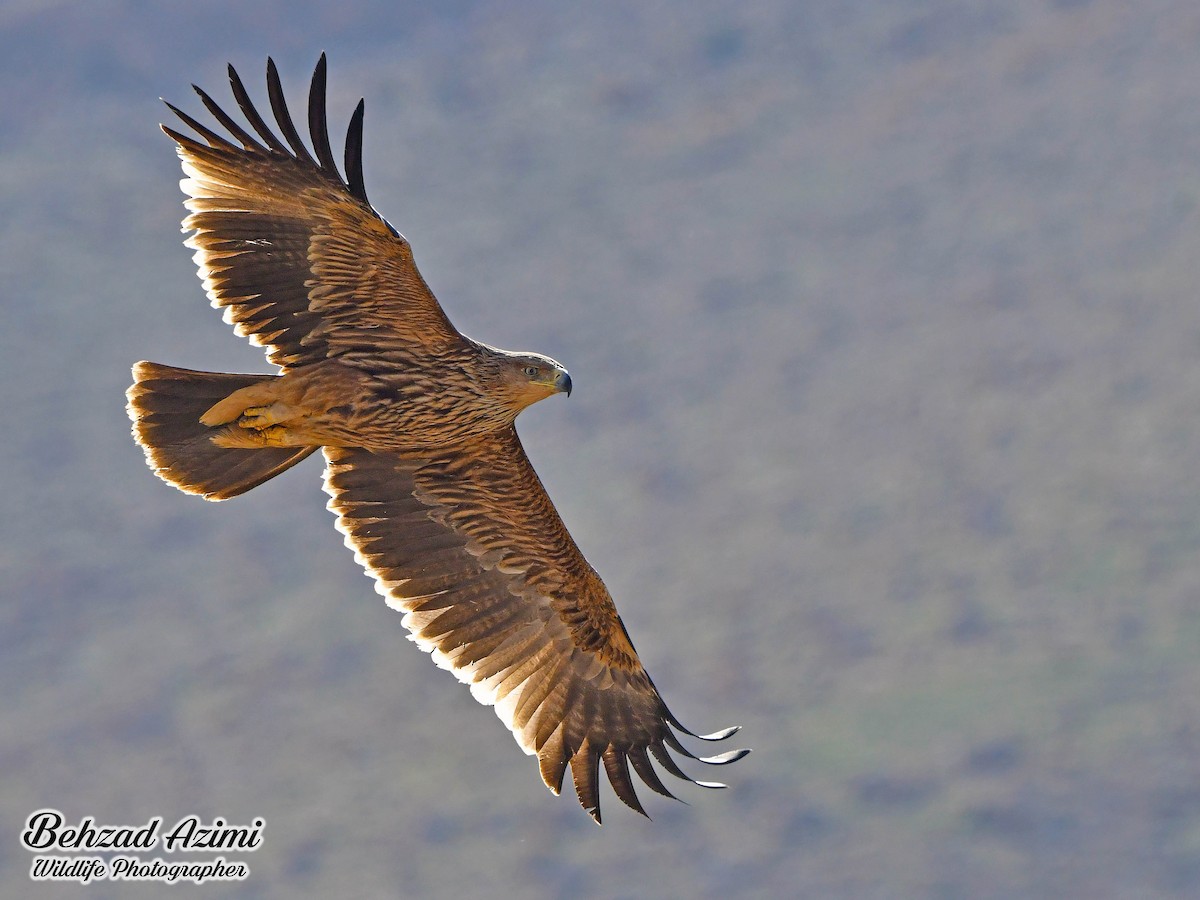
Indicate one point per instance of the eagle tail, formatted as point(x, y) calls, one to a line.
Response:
point(166, 403)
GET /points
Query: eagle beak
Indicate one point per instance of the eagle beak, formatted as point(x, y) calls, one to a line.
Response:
point(563, 383)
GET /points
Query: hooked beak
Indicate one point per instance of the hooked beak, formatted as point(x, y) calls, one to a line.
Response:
point(563, 383)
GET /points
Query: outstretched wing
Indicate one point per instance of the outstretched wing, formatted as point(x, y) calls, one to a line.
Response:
point(471, 549)
point(296, 256)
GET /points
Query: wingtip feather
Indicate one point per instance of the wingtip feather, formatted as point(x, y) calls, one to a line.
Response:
point(354, 153)
point(724, 759)
point(283, 116)
point(719, 735)
point(318, 122)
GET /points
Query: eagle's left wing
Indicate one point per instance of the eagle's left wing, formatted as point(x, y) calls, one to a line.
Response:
point(292, 252)
point(468, 545)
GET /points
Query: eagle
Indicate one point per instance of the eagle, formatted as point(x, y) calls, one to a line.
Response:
point(426, 474)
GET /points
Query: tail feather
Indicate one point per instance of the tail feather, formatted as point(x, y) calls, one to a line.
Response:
point(166, 404)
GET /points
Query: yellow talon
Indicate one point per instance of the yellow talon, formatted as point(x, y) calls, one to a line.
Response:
point(274, 436)
point(252, 438)
point(256, 417)
point(259, 417)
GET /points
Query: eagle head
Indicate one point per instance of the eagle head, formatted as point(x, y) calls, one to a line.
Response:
point(526, 378)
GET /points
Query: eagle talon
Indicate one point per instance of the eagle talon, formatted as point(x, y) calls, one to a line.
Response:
point(240, 438)
point(273, 436)
point(256, 417)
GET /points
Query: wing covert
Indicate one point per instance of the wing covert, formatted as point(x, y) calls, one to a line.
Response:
point(470, 548)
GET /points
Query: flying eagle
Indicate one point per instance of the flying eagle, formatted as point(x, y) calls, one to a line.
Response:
point(424, 468)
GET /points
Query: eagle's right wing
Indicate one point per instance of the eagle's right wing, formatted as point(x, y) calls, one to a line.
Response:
point(468, 545)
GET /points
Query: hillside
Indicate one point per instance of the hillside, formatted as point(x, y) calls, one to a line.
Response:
point(883, 327)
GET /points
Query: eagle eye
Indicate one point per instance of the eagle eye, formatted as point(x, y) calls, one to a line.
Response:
point(531, 371)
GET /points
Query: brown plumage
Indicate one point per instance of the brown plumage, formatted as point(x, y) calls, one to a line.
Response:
point(424, 467)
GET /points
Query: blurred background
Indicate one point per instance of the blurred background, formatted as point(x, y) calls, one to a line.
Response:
point(884, 329)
